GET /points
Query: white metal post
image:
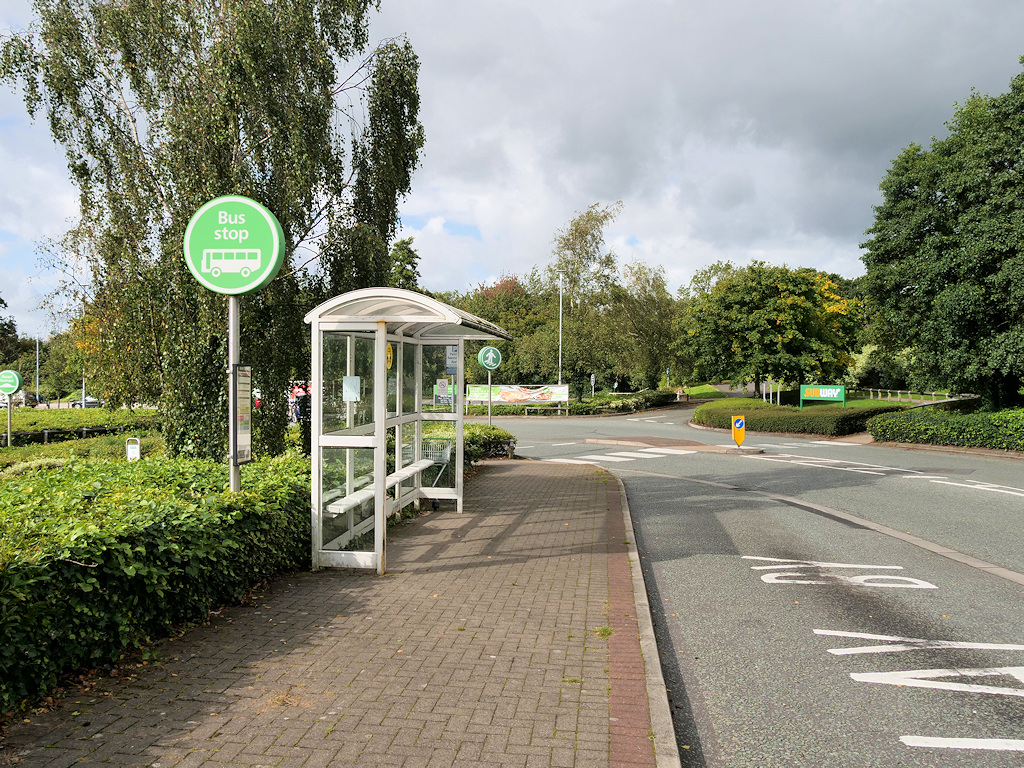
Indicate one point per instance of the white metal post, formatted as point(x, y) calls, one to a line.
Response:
point(380, 431)
point(559, 328)
point(316, 396)
point(459, 433)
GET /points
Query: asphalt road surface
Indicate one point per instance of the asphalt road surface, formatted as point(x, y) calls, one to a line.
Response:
point(823, 602)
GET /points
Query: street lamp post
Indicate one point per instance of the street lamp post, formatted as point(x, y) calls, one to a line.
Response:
point(559, 327)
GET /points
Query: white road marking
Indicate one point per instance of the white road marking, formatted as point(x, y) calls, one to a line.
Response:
point(865, 580)
point(813, 463)
point(979, 487)
point(928, 678)
point(666, 451)
point(830, 442)
point(898, 644)
point(603, 457)
point(556, 445)
point(999, 745)
point(631, 454)
point(782, 563)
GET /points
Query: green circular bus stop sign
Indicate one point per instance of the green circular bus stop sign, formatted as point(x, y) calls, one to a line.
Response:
point(10, 382)
point(234, 245)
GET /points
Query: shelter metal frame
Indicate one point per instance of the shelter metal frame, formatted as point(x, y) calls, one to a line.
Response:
point(372, 343)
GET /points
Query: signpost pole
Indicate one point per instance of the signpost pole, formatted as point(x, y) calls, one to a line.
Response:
point(488, 398)
point(233, 468)
point(10, 382)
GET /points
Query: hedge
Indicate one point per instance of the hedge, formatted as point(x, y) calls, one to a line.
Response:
point(104, 447)
point(96, 557)
point(763, 417)
point(36, 425)
point(1002, 430)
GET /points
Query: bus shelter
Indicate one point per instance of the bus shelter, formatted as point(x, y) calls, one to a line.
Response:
point(387, 418)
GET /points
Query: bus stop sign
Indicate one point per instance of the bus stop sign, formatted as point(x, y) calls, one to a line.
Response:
point(233, 245)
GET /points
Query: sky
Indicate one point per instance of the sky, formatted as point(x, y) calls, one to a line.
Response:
point(729, 129)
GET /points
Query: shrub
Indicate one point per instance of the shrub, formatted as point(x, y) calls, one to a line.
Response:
point(98, 556)
point(1002, 430)
point(763, 417)
point(480, 441)
point(31, 425)
point(105, 447)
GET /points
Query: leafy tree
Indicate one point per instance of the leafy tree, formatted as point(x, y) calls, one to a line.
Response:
point(59, 374)
point(405, 266)
point(8, 337)
point(641, 315)
point(509, 304)
point(763, 321)
point(945, 260)
point(587, 273)
point(163, 105)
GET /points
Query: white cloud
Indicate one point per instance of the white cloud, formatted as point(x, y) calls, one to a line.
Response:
point(734, 129)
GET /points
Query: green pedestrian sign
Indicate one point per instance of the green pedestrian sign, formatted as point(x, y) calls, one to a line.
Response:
point(489, 358)
point(10, 382)
point(233, 245)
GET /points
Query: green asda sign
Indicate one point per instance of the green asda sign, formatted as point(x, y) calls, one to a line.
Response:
point(10, 382)
point(234, 245)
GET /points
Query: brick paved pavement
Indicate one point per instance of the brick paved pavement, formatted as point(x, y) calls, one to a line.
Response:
point(481, 646)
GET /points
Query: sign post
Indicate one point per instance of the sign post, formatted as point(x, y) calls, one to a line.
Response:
point(739, 430)
point(233, 245)
point(10, 382)
point(490, 359)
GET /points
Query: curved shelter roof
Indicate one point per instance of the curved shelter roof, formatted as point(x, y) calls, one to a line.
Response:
point(406, 312)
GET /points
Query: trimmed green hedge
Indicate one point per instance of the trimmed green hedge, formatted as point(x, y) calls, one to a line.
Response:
point(1002, 430)
point(763, 417)
point(105, 447)
point(28, 424)
point(96, 557)
point(480, 440)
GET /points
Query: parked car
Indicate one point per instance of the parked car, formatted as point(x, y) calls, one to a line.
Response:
point(90, 402)
point(24, 397)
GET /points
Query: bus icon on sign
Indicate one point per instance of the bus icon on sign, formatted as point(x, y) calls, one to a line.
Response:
point(244, 261)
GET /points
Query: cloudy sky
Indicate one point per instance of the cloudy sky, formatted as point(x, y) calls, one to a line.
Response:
point(730, 129)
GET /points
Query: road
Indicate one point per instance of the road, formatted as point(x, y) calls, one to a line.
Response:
point(824, 602)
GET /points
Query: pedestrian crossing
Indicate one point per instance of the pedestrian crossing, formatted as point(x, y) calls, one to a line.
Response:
point(617, 457)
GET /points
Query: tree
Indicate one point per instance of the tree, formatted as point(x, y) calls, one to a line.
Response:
point(9, 346)
point(405, 266)
point(163, 105)
point(586, 272)
point(641, 315)
point(763, 321)
point(945, 260)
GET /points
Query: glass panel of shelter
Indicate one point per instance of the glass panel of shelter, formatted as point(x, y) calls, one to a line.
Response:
point(347, 473)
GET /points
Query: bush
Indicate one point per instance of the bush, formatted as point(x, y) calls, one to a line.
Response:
point(1002, 430)
point(106, 447)
point(29, 424)
point(96, 557)
point(760, 416)
point(479, 440)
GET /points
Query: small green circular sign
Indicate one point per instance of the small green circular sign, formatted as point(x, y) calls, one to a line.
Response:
point(489, 358)
point(234, 245)
point(10, 382)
